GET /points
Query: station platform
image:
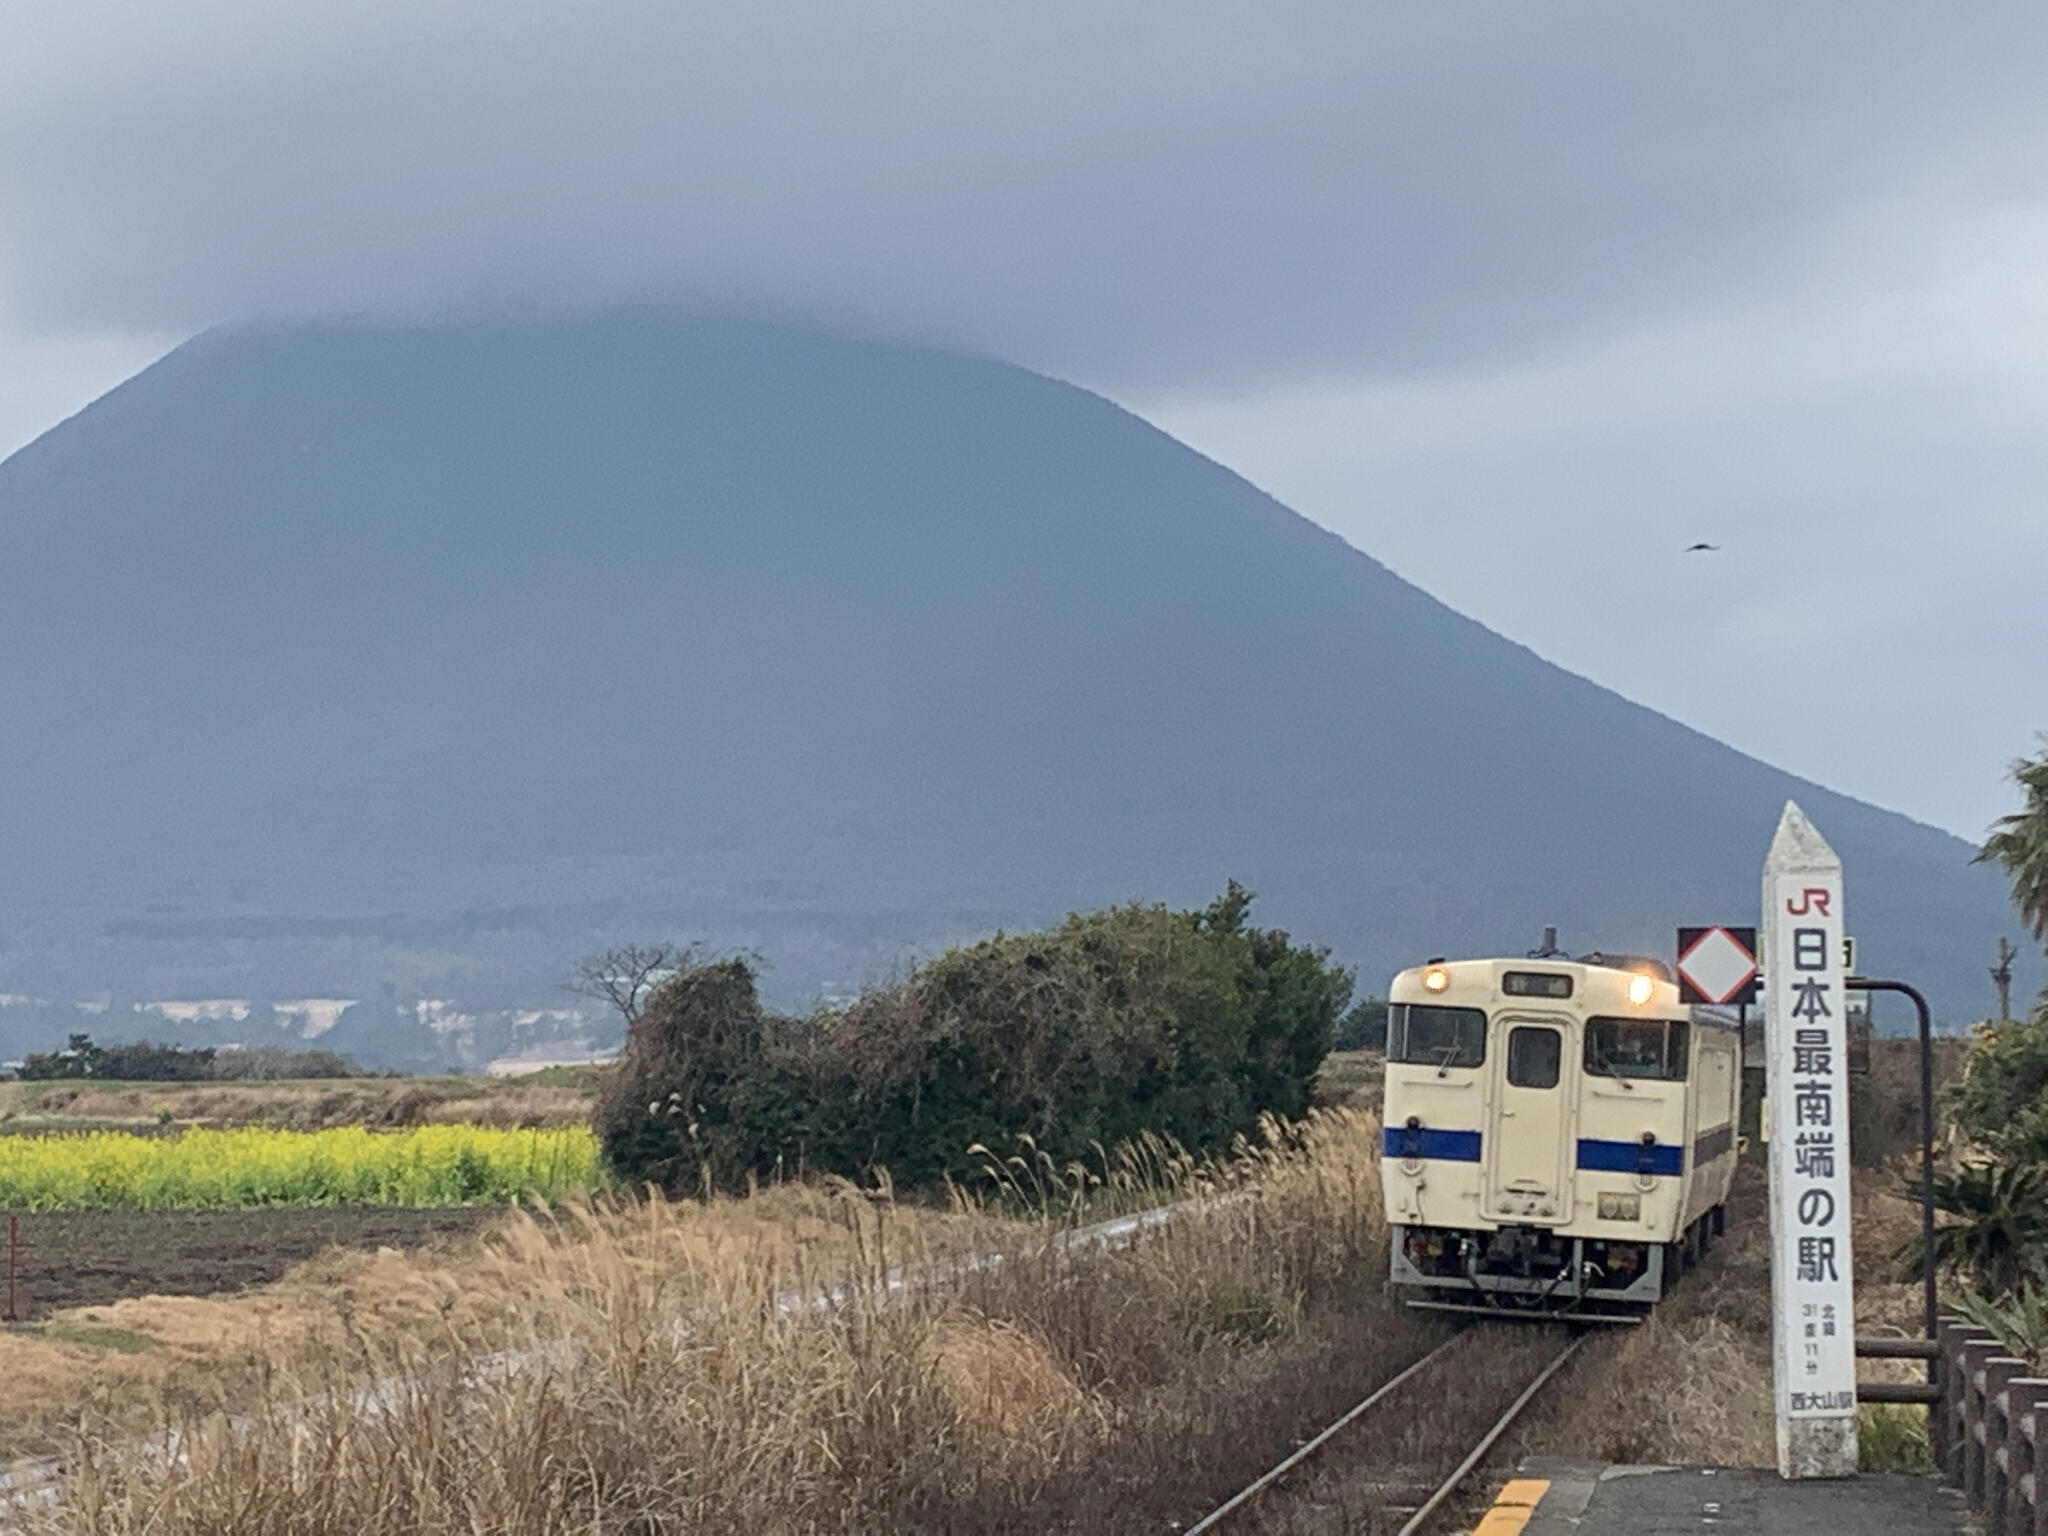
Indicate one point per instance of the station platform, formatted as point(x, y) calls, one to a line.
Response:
point(1551, 1497)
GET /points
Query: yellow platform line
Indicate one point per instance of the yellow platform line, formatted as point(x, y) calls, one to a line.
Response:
point(1511, 1511)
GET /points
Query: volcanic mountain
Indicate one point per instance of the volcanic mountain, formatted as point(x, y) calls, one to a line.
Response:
point(411, 664)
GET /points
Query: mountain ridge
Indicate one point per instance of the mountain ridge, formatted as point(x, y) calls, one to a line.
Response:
point(469, 649)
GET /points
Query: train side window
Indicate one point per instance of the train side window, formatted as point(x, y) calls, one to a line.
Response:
point(1436, 1037)
point(1646, 1048)
point(1534, 1056)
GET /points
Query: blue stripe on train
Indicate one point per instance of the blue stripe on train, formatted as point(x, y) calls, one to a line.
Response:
point(1597, 1156)
point(1631, 1157)
point(1444, 1146)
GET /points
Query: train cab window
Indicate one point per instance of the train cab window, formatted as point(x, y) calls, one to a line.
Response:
point(1436, 1037)
point(1534, 1056)
point(1648, 1048)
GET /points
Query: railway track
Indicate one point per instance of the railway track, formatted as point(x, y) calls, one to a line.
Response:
point(1450, 1396)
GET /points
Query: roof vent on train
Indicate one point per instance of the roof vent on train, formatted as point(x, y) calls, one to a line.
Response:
point(1550, 950)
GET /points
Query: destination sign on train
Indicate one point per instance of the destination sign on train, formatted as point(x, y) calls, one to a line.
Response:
point(1535, 984)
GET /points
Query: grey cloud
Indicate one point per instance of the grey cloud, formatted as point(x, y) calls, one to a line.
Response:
point(1867, 456)
point(1137, 194)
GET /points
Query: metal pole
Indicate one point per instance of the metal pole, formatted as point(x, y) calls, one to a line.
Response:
point(13, 1268)
point(1926, 1136)
point(1927, 1299)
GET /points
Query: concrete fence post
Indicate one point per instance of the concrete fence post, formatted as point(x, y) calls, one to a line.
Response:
point(2027, 1416)
point(2000, 1505)
point(1977, 1353)
point(1954, 1407)
point(1947, 1442)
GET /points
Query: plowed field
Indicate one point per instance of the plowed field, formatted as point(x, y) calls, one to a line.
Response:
point(86, 1258)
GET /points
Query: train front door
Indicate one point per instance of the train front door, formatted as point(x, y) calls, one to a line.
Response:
point(1528, 1151)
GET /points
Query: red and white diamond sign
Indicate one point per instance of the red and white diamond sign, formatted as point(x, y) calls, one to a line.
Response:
point(1716, 965)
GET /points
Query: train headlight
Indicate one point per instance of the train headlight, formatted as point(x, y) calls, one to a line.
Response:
point(1615, 1207)
point(1436, 979)
point(1641, 989)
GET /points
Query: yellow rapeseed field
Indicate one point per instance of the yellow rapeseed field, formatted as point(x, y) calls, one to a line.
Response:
point(425, 1165)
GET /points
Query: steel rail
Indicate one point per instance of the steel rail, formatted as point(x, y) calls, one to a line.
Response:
point(1266, 1480)
point(1444, 1490)
point(1450, 1484)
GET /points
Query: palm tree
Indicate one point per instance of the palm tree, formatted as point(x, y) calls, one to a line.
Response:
point(1992, 1239)
point(2019, 842)
point(2020, 1320)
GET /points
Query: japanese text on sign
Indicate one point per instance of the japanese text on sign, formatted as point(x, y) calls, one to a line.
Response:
point(1807, 1045)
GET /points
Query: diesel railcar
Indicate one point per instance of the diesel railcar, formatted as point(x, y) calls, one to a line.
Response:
point(1560, 1135)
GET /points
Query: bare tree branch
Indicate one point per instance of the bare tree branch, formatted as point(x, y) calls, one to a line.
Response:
point(625, 974)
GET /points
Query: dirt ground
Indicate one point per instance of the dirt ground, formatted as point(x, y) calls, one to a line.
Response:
point(141, 1301)
point(88, 1258)
point(129, 1311)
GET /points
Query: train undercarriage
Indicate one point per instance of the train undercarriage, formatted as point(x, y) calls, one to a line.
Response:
point(1535, 1272)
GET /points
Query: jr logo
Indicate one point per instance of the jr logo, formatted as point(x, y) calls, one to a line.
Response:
point(1814, 898)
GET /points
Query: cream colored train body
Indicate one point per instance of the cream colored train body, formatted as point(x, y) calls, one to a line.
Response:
point(1560, 1136)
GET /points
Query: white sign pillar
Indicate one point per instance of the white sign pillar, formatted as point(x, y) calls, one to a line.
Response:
point(1813, 1330)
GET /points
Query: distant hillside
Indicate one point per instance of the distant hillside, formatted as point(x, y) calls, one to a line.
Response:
point(409, 665)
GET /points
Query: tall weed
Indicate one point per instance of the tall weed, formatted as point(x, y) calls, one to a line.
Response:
point(658, 1367)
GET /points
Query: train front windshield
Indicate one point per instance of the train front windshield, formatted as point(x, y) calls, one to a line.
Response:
point(1645, 1048)
point(1436, 1037)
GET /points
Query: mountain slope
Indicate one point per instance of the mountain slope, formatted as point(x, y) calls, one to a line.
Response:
point(409, 664)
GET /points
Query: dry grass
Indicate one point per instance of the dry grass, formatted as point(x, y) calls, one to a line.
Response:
point(679, 1368)
point(1014, 1404)
point(211, 1347)
point(817, 1359)
point(1352, 1079)
point(1693, 1385)
point(1885, 1101)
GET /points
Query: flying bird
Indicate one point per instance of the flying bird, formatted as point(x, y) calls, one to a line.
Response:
point(1694, 549)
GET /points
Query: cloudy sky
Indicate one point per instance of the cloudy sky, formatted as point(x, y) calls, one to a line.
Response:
point(1521, 299)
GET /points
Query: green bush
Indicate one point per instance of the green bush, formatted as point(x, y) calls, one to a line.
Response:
point(1117, 1023)
point(141, 1061)
point(145, 1061)
point(1893, 1438)
point(2000, 1100)
point(1997, 1232)
point(688, 1104)
point(1362, 1026)
point(1995, 1193)
point(277, 1063)
point(2019, 1319)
